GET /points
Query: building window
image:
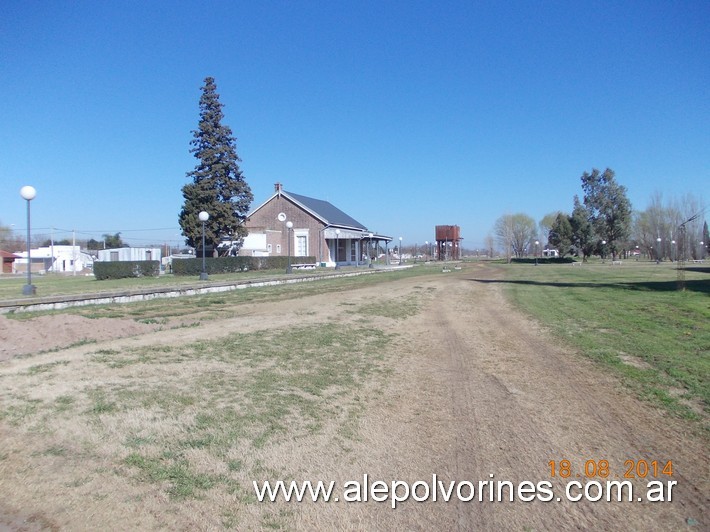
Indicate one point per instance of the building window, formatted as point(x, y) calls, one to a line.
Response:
point(268, 248)
point(301, 245)
point(278, 249)
point(114, 256)
point(148, 255)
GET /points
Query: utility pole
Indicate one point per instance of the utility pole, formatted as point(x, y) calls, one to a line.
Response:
point(73, 250)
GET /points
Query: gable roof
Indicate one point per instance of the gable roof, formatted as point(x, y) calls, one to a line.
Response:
point(326, 211)
point(323, 210)
point(8, 255)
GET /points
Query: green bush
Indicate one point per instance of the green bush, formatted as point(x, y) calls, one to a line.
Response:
point(123, 269)
point(235, 264)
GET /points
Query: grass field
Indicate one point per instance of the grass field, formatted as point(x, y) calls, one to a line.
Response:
point(632, 320)
point(183, 427)
point(50, 285)
point(198, 421)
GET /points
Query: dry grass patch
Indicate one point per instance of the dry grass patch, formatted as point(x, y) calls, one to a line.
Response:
point(197, 422)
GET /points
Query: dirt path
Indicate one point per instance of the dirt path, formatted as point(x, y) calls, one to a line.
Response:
point(478, 390)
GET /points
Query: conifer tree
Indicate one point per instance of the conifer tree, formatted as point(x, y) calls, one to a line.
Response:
point(218, 186)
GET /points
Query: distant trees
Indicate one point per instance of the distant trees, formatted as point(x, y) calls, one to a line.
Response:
point(218, 186)
point(11, 240)
point(490, 245)
point(8, 240)
point(656, 231)
point(63, 242)
point(603, 222)
point(114, 241)
point(516, 233)
point(600, 224)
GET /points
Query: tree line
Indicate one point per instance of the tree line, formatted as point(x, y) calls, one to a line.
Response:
point(603, 223)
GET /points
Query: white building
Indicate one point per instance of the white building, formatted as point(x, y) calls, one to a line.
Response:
point(54, 259)
point(129, 254)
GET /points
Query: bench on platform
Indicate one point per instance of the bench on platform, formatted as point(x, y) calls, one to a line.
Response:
point(303, 266)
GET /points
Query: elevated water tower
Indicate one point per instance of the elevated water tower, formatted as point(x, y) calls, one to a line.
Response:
point(448, 242)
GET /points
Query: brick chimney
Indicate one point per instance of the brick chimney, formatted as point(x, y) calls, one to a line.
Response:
point(278, 187)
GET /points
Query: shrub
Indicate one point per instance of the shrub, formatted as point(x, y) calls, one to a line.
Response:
point(235, 264)
point(124, 269)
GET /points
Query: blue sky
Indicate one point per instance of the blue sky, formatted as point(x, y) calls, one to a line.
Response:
point(403, 114)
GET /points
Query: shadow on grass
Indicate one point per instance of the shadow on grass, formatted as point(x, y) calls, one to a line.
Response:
point(694, 285)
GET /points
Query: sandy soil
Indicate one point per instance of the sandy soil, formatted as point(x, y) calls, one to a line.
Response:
point(478, 390)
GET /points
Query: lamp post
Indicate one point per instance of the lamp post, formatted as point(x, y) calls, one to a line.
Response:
point(672, 250)
point(603, 249)
point(369, 251)
point(337, 248)
point(289, 226)
point(28, 193)
point(658, 251)
point(426, 252)
point(702, 250)
point(537, 243)
point(400, 251)
point(203, 216)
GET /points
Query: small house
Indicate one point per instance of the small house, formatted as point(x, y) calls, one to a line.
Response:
point(317, 228)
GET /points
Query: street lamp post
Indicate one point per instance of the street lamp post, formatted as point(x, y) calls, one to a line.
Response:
point(603, 249)
point(702, 250)
point(28, 193)
point(289, 226)
point(400, 251)
point(203, 216)
point(537, 243)
point(369, 251)
point(337, 248)
point(673, 253)
point(658, 251)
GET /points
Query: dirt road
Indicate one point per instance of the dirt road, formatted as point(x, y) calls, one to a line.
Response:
point(478, 392)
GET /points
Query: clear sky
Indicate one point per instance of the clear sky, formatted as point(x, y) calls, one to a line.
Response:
point(404, 114)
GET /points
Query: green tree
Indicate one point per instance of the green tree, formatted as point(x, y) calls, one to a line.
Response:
point(583, 237)
point(114, 241)
point(546, 224)
point(609, 208)
point(218, 186)
point(561, 235)
point(48, 242)
point(705, 246)
point(94, 244)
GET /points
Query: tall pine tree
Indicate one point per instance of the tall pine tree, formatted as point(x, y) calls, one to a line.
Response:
point(218, 186)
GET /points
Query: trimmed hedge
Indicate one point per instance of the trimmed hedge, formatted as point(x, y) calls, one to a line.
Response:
point(235, 264)
point(126, 268)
